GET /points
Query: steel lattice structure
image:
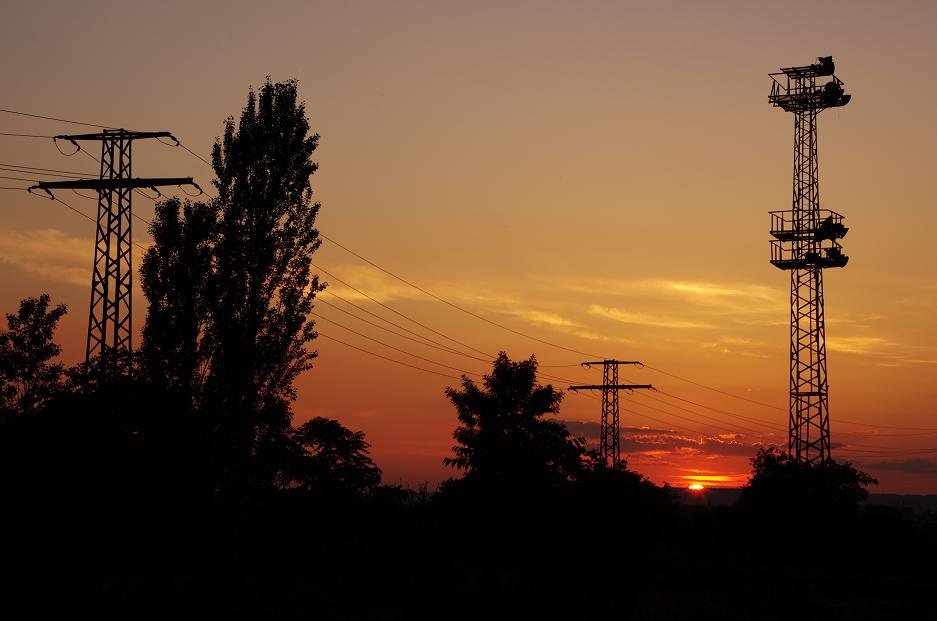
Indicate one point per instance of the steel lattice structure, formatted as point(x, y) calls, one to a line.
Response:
point(110, 314)
point(112, 274)
point(610, 432)
point(806, 241)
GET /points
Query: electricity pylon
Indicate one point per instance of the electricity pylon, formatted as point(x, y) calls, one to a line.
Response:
point(610, 434)
point(806, 242)
point(109, 317)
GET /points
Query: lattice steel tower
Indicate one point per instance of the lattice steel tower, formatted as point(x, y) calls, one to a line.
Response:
point(610, 433)
point(806, 240)
point(109, 317)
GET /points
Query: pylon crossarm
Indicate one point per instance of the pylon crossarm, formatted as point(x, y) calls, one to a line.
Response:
point(114, 133)
point(112, 184)
point(634, 362)
point(613, 387)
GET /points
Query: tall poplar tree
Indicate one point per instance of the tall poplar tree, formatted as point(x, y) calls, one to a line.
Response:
point(230, 288)
point(262, 283)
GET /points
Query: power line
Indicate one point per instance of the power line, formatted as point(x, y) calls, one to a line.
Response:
point(898, 435)
point(38, 174)
point(722, 392)
point(403, 351)
point(845, 449)
point(207, 163)
point(852, 422)
point(18, 178)
point(724, 412)
point(396, 325)
point(723, 425)
point(453, 305)
point(24, 135)
point(886, 448)
point(361, 349)
point(429, 342)
point(410, 319)
point(403, 336)
point(80, 213)
point(69, 173)
point(52, 118)
point(397, 349)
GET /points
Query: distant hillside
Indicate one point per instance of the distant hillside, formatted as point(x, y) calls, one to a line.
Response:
point(727, 496)
point(918, 502)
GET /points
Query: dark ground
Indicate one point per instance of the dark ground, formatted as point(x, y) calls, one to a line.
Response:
point(294, 556)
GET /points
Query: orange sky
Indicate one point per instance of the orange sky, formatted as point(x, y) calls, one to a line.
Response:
point(597, 175)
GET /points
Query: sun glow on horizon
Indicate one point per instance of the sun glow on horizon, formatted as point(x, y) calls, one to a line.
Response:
point(696, 487)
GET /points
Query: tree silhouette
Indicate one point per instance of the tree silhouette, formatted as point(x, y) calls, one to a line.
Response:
point(781, 484)
point(28, 377)
point(262, 284)
point(175, 277)
point(230, 289)
point(503, 439)
point(331, 457)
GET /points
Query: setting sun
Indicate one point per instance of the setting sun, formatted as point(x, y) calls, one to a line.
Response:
point(696, 487)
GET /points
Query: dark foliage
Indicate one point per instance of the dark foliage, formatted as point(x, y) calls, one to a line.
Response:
point(782, 487)
point(331, 459)
point(28, 375)
point(503, 439)
point(176, 277)
point(230, 290)
point(620, 491)
point(263, 287)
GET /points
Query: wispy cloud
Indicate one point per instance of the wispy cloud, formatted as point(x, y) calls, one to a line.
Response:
point(49, 253)
point(367, 280)
point(643, 319)
point(856, 344)
point(593, 336)
point(658, 441)
point(718, 292)
point(541, 317)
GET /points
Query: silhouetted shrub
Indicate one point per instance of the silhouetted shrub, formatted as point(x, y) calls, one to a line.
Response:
point(504, 445)
point(783, 488)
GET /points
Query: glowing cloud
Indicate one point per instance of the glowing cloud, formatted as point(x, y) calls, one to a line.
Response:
point(643, 319)
point(49, 253)
point(856, 344)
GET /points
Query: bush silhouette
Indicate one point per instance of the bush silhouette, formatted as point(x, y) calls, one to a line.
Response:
point(782, 487)
point(28, 375)
point(503, 441)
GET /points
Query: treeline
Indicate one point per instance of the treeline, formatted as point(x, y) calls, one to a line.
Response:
point(175, 482)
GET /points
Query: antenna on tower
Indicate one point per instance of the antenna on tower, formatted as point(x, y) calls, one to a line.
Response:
point(806, 241)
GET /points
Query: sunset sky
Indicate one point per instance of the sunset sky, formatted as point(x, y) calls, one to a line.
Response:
point(595, 175)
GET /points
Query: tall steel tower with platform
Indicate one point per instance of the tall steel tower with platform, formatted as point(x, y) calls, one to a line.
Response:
point(806, 241)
